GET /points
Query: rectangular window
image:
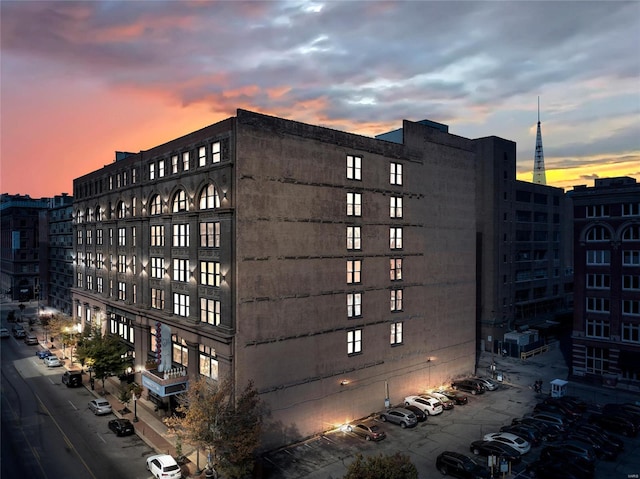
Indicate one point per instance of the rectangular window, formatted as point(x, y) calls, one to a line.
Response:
point(597, 360)
point(631, 209)
point(100, 284)
point(598, 305)
point(598, 257)
point(133, 236)
point(134, 295)
point(396, 333)
point(210, 234)
point(157, 268)
point(181, 304)
point(80, 237)
point(122, 263)
point(208, 366)
point(598, 281)
point(152, 171)
point(631, 282)
point(89, 237)
point(597, 329)
point(181, 235)
point(354, 341)
point(122, 237)
point(354, 167)
point(210, 311)
point(597, 211)
point(395, 207)
point(89, 282)
point(134, 175)
point(157, 298)
point(395, 238)
point(354, 305)
point(631, 332)
point(354, 204)
point(181, 270)
point(353, 238)
point(185, 161)
point(180, 353)
point(202, 156)
point(160, 168)
point(209, 273)
point(215, 152)
point(174, 164)
point(157, 235)
point(396, 300)
point(631, 258)
point(395, 269)
point(122, 290)
point(79, 280)
point(631, 307)
point(395, 177)
point(354, 268)
point(99, 237)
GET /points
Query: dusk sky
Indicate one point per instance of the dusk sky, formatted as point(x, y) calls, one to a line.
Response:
point(81, 80)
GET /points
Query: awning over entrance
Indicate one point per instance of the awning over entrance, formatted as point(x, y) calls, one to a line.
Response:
point(155, 381)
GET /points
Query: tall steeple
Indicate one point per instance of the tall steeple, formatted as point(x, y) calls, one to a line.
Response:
point(539, 175)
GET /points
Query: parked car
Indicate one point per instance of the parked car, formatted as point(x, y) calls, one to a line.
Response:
point(52, 361)
point(509, 439)
point(495, 448)
point(558, 408)
point(583, 452)
point(43, 353)
point(622, 411)
point(121, 427)
point(447, 403)
point(488, 383)
point(461, 466)
point(615, 424)
point(549, 431)
point(597, 431)
point(456, 396)
point(18, 331)
point(31, 339)
point(367, 429)
point(4, 333)
point(560, 468)
point(603, 449)
point(469, 385)
point(399, 415)
point(554, 419)
point(100, 407)
point(72, 378)
point(163, 466)
point(420, 414)
point(430, 406)
point(529, 433)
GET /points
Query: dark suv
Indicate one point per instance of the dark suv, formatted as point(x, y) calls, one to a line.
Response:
point(459, 465)
point(469, 385)
point(72, 379)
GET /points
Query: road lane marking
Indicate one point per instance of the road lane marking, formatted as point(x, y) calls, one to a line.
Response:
point(73, 405)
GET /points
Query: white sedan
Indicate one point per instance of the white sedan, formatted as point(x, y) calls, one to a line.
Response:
point(52, 361)
point(509, 439)
point(430, 406)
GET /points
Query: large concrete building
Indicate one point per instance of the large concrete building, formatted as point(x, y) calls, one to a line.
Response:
point(336, 271)
point(59, 279)
point(606, 322)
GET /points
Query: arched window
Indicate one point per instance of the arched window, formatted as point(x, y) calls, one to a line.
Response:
point(598, 233)
point(121, 210)
point(78, 217)
point(632, 233)
point(155, 205)
point(209, 198)
point(180, 202)
point(88, 215)
point(98, 213)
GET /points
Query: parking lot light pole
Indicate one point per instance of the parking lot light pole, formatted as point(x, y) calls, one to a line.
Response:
point(135, 407)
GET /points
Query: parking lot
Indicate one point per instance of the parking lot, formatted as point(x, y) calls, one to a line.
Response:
point(327, 456)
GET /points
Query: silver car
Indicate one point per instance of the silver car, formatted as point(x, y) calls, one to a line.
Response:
point(489, 384)
point(399, 415)
point(100, 406)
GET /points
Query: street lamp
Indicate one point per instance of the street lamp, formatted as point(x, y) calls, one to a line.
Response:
point(135, 407)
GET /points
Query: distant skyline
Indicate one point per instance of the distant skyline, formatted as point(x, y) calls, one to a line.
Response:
point(81, 80)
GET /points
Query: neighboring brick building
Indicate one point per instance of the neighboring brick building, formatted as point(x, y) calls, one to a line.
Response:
point(606, 326)
point(336, 271)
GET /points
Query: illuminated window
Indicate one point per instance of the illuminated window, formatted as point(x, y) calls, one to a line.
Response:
point(208, 363)
point(202, 156)
point(157, 235)
point(395, 238)
point(395, 207)
point(79, 237)
point(99, 260)
point(353, 238)
point(395, 269)
point(215, 152)
point(185, 161)
point(79, 281)
point(122, 290)
point(180, 202)
point(354, 204)
point(157, 268)
point(180, 353)
point(122, 237)
point(354, 305)
point(122, 263)
point(89, 282)
point(395, 177)
point(354, 268)
point(155, 205)
point(174, 164)
point(99, 214)
point(181, 270)
point(210, 234)
point(134, 206)
point(354, 341)
point(133, 236)
point(100, 284)
point(209, 273)
point(161, 169)
point(181, 304)
point(354, 167)
point(89, 237)
point(181, 235)
point(209, 198)
point(396, 300)
point(396, 333)
point(152, 171)
point(210, 311)
point(157, 298)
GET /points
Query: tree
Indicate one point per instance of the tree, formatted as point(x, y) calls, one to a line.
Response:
point(210, 420)
point(396, 466)
point(106, 353)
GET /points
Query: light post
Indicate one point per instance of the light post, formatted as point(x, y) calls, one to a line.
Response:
point(135, 407)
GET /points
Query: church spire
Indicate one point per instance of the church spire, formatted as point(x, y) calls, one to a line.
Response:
point(539, 175)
